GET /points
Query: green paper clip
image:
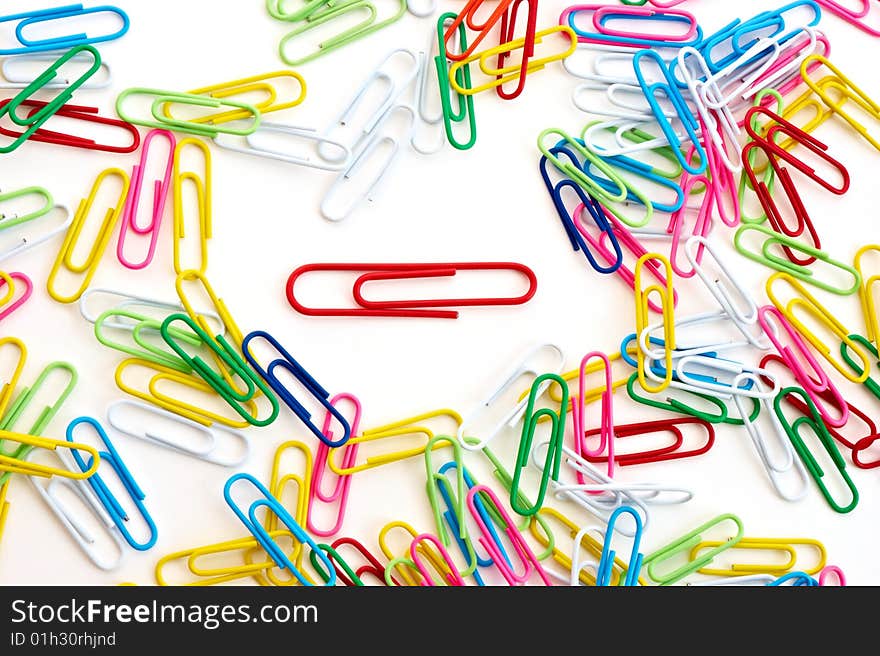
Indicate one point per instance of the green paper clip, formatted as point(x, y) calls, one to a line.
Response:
point(463, 78)
point(161, 122)
point(18, 219)
point(872, 385)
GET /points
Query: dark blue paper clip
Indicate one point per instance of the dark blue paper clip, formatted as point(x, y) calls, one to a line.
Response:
point(609, 39)
point(606, 562)
point(287, 362)
point(105, 496)
point(645, 171)
point(590, 204)
point(271, 504)
point(671, 91)
point(60, 42)
point(798, 579)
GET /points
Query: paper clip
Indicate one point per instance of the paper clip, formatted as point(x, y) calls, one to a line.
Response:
point(416, 308)
point(161, 187)
point(340, 492)
point(378, 140)
point(228, 358)
point(163, 99)
point(15, 80)
point(433, 487)
point(249, 85)
point(795, 579)
point(34, 121)
point(173, 403)
point(291, 366)
point(452, 577)
point(203, 187)
point(372, 566)
point(280, 151)
point(464, 112)
point(672, 451)
point(7, 390)
point(204, 447)
point(239, 546)
point(600, 33)
point(363, 28)
point(467, 17)
point(276, 10)
point(403, 428)
point(832, 570)
point(811, 306)
point(84, 114)
point(849, 90)
point(105, 496)
point(503, 75)
point(528, 366)
point(271, 504)
point(400, 564)
point(578, 406)
point(670, 89)
point(17, 466)
point(769, 259)
point(529, 562)
point(572, 228)
point(685, 544)
point(815, 422)
point(870, 382)
point(667, 303)
point(65, 255)
point(18, 284)
point(14, 219)
point(866, 294)
point(531, 417)
point(29, 18)
point(786, 546)
point(23, 402)
point(228, 324)
point(814, 382)
point(632, 569)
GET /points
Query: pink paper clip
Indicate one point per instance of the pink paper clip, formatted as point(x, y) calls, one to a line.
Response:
point(628, 243)
point(835, 571)
point(132, 202)
point(453, 578)
point(851, 16)
point(14, 303)
point(606, 432)
point(814, 387)
point(530, 562)
point(702, 225)
point(343, 483)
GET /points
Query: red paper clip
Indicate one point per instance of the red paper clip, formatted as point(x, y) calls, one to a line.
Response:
point(373, 565)
point(80, 113)
point(508, 26)
point(669, 452)
point(467, 16)
point(408, 308)
point(863, 445)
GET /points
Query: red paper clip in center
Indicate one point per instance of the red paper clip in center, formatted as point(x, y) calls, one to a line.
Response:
point(416, 308)
point(667, 452)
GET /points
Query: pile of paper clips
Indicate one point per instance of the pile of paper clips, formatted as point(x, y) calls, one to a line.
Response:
point(688, 128)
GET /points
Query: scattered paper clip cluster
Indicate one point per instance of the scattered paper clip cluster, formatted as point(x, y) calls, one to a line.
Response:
point(685, 126)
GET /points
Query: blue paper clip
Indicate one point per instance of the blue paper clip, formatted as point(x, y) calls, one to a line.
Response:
point(262, 536)
point(798, 579)
point(287, 362)
point(636, 41)
point(644, 170)
point(670, 89)
point(769, 19)
point(606, 562)
point(60, 42)
point(453, 520)
point(105, 496)
point(590, 204)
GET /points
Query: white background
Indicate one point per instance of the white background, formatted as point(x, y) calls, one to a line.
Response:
point(485, 204)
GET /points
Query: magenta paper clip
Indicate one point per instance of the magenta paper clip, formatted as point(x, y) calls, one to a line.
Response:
point(606, 422)
point(342, 488)
point(14, 303)
point(852, 16)
point(160, 194)
point(453, 578)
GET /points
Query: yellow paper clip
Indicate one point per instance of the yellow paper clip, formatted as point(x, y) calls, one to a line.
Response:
point(399, 564)
point(229, 547)
point(4, 506)
point(512, 72)
point(16, 466)
point(667, 303)
point(817, 311)
point(849, 91)
point(90, 265)
point(404, 428)
point(866, 295)
point(8, 389)
point(154, 395)
point(246, 86)
point(786, 546)
point(203, 188)
point(232, 329)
